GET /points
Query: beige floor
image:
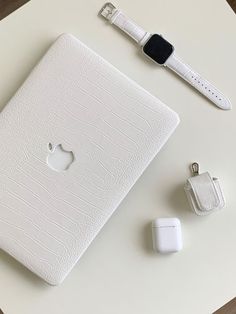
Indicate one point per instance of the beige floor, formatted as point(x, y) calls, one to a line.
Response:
point(119, 273)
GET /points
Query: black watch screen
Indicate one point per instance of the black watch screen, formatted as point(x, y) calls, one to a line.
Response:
point(158, 49)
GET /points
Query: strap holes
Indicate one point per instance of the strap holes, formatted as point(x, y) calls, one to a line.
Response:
point(195, 79)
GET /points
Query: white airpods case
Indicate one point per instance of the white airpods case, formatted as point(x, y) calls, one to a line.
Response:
point(167, 235)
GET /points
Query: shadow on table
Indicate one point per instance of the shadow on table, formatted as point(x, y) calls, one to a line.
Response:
point(178, 201)
point(21, 271)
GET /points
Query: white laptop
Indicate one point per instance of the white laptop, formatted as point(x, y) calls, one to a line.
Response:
point(73, 141)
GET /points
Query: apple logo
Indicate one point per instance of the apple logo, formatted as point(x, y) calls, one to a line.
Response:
point(58, 158)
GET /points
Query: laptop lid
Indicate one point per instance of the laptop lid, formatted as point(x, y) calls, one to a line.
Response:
point(73, 141)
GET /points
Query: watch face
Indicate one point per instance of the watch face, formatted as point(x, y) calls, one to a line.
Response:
point(158, 49)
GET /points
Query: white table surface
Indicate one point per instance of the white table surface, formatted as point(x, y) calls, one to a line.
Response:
point(119, 273)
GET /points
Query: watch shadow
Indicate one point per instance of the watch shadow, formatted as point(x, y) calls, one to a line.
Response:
point(188, 85)
point(138, 50)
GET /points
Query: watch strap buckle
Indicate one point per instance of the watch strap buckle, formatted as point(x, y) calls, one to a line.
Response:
point(107, 10)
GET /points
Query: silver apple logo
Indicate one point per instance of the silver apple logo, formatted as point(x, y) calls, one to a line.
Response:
point(58, 158)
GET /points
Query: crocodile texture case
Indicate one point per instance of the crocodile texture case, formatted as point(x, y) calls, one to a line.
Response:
point(114, 128)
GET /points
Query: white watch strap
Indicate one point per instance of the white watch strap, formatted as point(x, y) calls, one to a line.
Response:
point(198, 82)
point(116, 17)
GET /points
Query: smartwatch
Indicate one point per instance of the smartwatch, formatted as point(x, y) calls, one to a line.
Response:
point(159, 50)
